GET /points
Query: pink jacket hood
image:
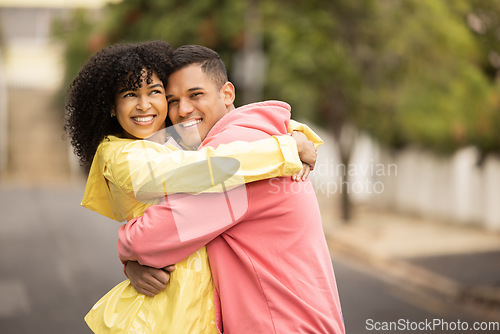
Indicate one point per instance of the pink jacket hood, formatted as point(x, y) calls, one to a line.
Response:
point(270, 117)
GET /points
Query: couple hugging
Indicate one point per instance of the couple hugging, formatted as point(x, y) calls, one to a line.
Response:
point(209, 244)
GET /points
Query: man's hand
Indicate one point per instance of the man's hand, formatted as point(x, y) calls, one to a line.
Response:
point(148, 280)
point(307, 154)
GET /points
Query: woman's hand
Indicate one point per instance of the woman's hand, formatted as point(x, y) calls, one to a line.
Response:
point(307, 154)
point(303, 173)
point(148, 280)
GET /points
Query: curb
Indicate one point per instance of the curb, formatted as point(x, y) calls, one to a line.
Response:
point(481, 298)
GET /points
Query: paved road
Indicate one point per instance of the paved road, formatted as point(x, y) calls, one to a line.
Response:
point(57, 259)
point(371, 300)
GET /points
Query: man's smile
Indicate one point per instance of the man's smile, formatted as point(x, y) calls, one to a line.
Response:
point(190, 123)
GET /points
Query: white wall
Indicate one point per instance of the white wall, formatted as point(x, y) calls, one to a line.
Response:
point(449, 188)
point(3, 116)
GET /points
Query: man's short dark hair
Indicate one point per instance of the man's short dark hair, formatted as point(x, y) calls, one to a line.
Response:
point(210, 62)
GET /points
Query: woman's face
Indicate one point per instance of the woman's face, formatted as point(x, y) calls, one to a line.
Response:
point(142, 112)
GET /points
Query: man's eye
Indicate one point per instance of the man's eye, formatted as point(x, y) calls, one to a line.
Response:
point(172, 102)
point(197, 94)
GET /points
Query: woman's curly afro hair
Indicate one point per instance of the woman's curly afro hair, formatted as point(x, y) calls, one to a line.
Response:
point(92, 93)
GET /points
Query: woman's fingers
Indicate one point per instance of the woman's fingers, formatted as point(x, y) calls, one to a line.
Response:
point(303, 174)
point(148, 280)
point(307, 169)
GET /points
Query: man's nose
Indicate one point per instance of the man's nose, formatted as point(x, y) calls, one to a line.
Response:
point(185, 108)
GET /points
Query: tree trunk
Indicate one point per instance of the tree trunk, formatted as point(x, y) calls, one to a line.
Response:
point(345, 200)
point(344, 139)
point(344, 133)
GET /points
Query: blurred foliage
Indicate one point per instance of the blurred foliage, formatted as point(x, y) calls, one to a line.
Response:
point(214, 23)
point(419, 72)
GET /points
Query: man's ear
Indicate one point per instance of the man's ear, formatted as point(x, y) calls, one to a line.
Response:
point(228, 93)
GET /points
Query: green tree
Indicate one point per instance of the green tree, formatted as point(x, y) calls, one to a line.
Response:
point(407, 72)
point(213, 23)
point(483, 19)
point(316, 63)
point(433, 76)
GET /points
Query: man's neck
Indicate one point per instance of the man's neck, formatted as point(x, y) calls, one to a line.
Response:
point(189, 148)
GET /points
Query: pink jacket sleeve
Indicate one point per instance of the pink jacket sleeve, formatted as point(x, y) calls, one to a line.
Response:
point(169, 232)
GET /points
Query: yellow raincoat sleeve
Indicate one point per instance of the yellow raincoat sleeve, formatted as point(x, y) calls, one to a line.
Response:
point(151, 170)
point(310, 134)
point(153, 174)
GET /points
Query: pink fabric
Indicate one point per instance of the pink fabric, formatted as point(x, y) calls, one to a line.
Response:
point(267, 250)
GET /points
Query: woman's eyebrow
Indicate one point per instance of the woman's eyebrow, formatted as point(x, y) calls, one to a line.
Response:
point(156, 85)
point(123, 90)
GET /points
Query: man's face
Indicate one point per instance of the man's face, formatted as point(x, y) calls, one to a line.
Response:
point(195, 103)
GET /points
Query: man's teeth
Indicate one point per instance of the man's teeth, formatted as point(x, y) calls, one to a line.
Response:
point(191, 123)
point(144, 119)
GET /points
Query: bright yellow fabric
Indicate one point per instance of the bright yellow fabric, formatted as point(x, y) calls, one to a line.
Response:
point(126, 177)
point(185, 306)
point(310, 134)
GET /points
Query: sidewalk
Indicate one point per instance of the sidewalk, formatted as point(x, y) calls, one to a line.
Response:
point(459, 263)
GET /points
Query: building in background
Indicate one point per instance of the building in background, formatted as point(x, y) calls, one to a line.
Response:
point(32, 149)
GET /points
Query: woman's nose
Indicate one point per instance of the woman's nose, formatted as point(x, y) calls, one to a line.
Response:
point(143, 103)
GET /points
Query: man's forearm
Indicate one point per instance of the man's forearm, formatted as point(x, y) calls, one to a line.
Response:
point(169, 232)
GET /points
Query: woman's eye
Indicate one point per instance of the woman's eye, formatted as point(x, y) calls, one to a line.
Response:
point(172, 102)
point(156, 91)
point(129, 95)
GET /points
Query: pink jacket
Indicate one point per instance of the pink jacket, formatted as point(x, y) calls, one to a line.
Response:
point(265, 241)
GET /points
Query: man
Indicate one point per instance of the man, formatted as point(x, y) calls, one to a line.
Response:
point(267, 250)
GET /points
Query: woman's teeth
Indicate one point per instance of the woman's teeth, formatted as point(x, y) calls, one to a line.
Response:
point(144, 119)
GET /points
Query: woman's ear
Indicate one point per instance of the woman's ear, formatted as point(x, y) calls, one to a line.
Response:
point(113, 112)
point(228, 93)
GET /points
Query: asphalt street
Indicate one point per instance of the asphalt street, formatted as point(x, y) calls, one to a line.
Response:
point(57, 259)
